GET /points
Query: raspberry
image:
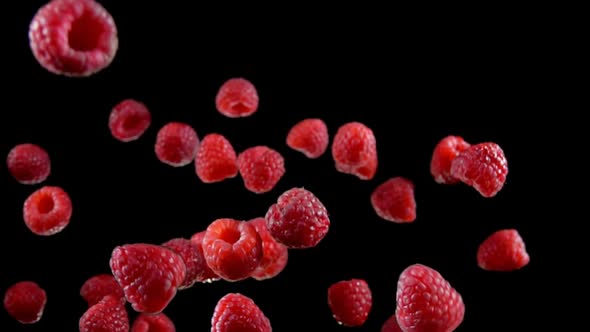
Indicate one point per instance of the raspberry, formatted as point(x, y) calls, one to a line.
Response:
point(426, 302)
point(25, 301)
point(354, 150)
point(309, 137)
point(206, 274)
point(97, 287)
point(298, 219)
point(129, 119)
point(153, 323)
point(237, 97)
point(238, 313)
point(391, 325)
point(350, 301)
point(261, 168)
point(108, 315)
point(176, 144)
point(73, 37)
point(149, 275)
point(191, 256)
point(47, 211)
point(482, 166)
point(232, 248)
point(28, 163)
point(216, 159)
point(274, 255)
point(504, 250)
point(444, 153)
point(393, 200)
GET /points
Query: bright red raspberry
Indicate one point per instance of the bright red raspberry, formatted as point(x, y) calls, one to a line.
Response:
point(206, 274)
point(238, 313)
point(261, 168)
point(28, 163)
point(354, 150)
point(309, 137)
point(444, 153)
point(99, 286)
point(149, 275)
point(153, 323)
point(25, 301)
point(504, 250)
point(73, 37)
point(47, 211)
point(108, 315)
point(191, 256)
point(177, 144)
point(129, 119)
point(237, 97)
point(216, 159)
point(391, 325)
point(298, 219)
point(482, 166)
point(350, 301)
point(274, 254)
point(426, 302)
point(393, 200)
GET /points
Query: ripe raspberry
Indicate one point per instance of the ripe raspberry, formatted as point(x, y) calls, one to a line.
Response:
point(426, 302)
point(238, 313)
point(47, 211)
point(28, 163)
point(444, 153)
point(350, 301)
point(237, 97)
point(176, 144)
point(153, 323)
point(129, 119)
point(309, 137)
point(25, 301)
point(191, 256)
point(73, 37)
point(391, 325)
point(205, 272)
point(261, 168)
point(99, 286)
point(504, 250)
point(149, 275)
point(216, 159)
point(482, 166)
point(354, 150)
point(393, 200)
point(274, 255)
point(108, 315)
point(298, 219)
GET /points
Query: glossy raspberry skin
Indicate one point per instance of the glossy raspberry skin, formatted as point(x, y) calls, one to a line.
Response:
point(274, 254)
point(128, 120)
point(504, 250)
point(73, 37)
point(444, 153)
point(153, 323)
point(238, 313)
point(25, 302)
point(108, 315)
point(350, 301)
point(191, 256)
point(482, 166)
point(391, 325)
point(99, 286)
point(237, 97)
point(176, 144)
point(216, 159)
point(354, 150)
point(205, 273)
point(47, 211)
point(393, 200)
point(310, 137)
point(28, 163)
point(261, 168)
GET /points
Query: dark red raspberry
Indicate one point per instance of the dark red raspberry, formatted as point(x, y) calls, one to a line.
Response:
point(237, 97)
point(149, 275)
point(393, 200)
point(129, 119)
point(261, 168)
point(47, 211)
point(391, 325)
point(73, 37)
point(25, 301)
point(177, 144)
point(350, 301)
point(232, 248)
point(108, 315)
point(29, 163)
point(309, 137)
point(274, 254)
point(444, 153)
point(206, 274)
point(191, 256)
point(238, 313)
point(354, 150)
point(153, 323)
point(298, 219)
point(504, 250)
point(216, 159)
point(482, 166)
point(97, 287)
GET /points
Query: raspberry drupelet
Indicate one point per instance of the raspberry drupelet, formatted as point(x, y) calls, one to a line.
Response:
point(237, 97)
point(129, 119)
point(25, 302)
point(28, 163)
point(47, 211)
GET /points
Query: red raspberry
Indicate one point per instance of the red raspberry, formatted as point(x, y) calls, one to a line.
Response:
point(176, 144)
point(393, 200)
point(149, 275)
point(444, 153)
point(206, 274)
point(25, 301)
point(261, 168)
point(238, 313)
point(482, 166)
point(191, 256)
point(108, 315)
point(216, 159)
point(73, 37)
point(309, 137)
point(298, 219)
point(153, 323)
point(274, 255)
point(129, 119)
point(237, 97)
point(350, 301)
point(426, 302)
point(28, 163)
point(354, 150)
point(391, 325)
point(97, 287)
point(47, 211)
point(504, 250)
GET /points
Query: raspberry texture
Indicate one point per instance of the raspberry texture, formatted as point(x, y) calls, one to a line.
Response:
point(47, 211)
point(191, 256)
point(237, 97)
point(350, 301)
point(309, 137)
point(504, 250)
point(354, 150)
point(394, 200)
point(274, 254)
point(128, 120)
point(28, 163)
point(298, 219)
point(238, 313)
point(391, 325)
point(73, 37)
point(261, 168)
point(205, 272)
point(482, 166)
point(176, 144)
point(99, 286)
point(108, 315)
point(25, 302)
point(444, 153)
point(216, 159)
point(153, 323)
